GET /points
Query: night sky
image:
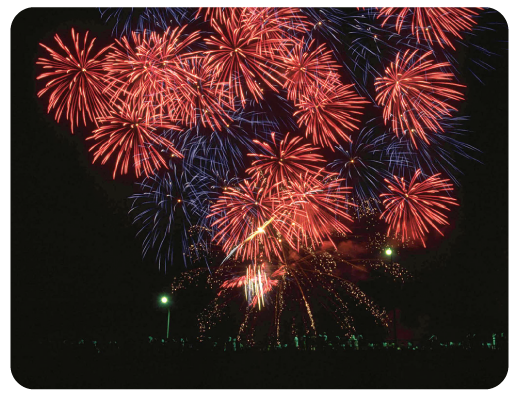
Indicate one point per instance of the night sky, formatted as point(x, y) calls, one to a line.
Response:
point(77, 268)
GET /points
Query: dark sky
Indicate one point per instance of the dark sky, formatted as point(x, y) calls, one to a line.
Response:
point(76, 265)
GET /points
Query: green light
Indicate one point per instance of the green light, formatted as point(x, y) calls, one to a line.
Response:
point(164, 300)
point(389, 252)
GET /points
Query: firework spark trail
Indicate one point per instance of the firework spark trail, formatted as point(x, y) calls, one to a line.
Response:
point(439, 155)
point(260, 230)
point(369, 47)
point(256, 284)
point(276, 22)
point(78, 81)
point(217, 14)
point(154, 208)
point(222, 152)
point(409, 210)
point(298, 283)
point(306, 211)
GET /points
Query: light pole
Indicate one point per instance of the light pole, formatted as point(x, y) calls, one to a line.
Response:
point(389, 252)
point(165, 301)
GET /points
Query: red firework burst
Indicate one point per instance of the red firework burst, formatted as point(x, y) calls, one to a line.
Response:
point(243, 54)
point(219, 14)
point(77, 81)
point(206, 101)
point(433, 24)
point(414, 93)
point(409, 210)
point(247, 217)
point(129, 131)
point(304, 67)
point(327, 109)
point(276, 22)
point(256, 220)
point(150, 67)
point(285, 161)
point(316, 206)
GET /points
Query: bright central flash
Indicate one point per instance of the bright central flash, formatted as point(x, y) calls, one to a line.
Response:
point(255, 285)
point(260, 230)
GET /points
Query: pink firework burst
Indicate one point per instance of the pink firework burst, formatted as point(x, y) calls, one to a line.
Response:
point(316, 207)
point(135, 137)
point(246, 217)
point(327, 110)
point(411, 209)
point(150, 67)
point(241, 56)
point(285, 161)
point(78, 81)
point(304, 67)
point(206, 101)
point(434, 24)
point(415, 92)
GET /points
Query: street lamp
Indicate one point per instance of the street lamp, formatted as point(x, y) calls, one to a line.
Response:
point(389, 252)
point(164, 300)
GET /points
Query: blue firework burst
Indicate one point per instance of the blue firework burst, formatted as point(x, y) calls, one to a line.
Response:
point(362, 163)
point(128, 20)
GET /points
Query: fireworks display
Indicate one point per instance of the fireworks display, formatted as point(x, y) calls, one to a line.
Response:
point(276, 146)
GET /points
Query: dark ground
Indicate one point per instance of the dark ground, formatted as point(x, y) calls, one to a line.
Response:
point(281, 369)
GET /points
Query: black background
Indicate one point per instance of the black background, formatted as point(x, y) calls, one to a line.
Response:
point(77, 270)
